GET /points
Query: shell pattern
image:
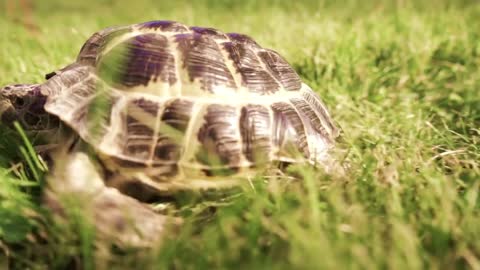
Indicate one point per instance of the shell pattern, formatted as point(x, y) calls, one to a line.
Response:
point(166, 104)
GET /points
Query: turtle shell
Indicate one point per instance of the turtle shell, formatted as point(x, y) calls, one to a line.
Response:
point(162, 101)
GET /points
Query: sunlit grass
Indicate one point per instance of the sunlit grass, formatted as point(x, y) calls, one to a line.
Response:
point(400, 78)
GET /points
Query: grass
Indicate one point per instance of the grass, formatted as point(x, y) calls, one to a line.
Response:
point(400, 78)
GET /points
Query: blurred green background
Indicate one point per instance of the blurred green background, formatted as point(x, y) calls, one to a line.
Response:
point(402, 80)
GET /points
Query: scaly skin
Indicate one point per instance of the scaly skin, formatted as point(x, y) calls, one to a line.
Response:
point(24, 103)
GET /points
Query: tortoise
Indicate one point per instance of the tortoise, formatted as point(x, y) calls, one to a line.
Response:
point(167, 107)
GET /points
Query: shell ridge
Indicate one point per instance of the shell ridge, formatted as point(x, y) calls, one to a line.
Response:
point(304, 126)
point(316, 152)
point(255, 130)
point(228, 62)
point(281, 69)
point(267, 68)
point(189, 140)
point(318, 105)
point(253, 75)
point(156, 134)
point(176, 58)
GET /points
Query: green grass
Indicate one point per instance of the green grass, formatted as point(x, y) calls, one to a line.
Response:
point(401, 79)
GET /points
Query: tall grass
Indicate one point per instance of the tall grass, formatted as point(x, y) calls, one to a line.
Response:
point(401, 78)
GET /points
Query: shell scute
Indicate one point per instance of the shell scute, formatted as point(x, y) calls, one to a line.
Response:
point(322, 113)
point(95, 45)
point(177, 114)
point(288, 131)
point(202, 60)
point(310, 116)
point(219, 143)
point(170, 140)
point(138, 61)
point(281, 70)
point(254, 76)
point(139, 129)
point(255, 129)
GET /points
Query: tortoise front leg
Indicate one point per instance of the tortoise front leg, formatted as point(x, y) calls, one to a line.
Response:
point(116, 218)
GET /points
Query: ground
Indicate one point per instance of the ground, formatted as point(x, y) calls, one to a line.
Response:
point(401, 79)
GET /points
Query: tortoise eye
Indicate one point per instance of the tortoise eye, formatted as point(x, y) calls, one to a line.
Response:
point(19, 102)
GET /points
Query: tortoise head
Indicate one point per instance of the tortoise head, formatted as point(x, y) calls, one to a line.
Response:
point(24, 103)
